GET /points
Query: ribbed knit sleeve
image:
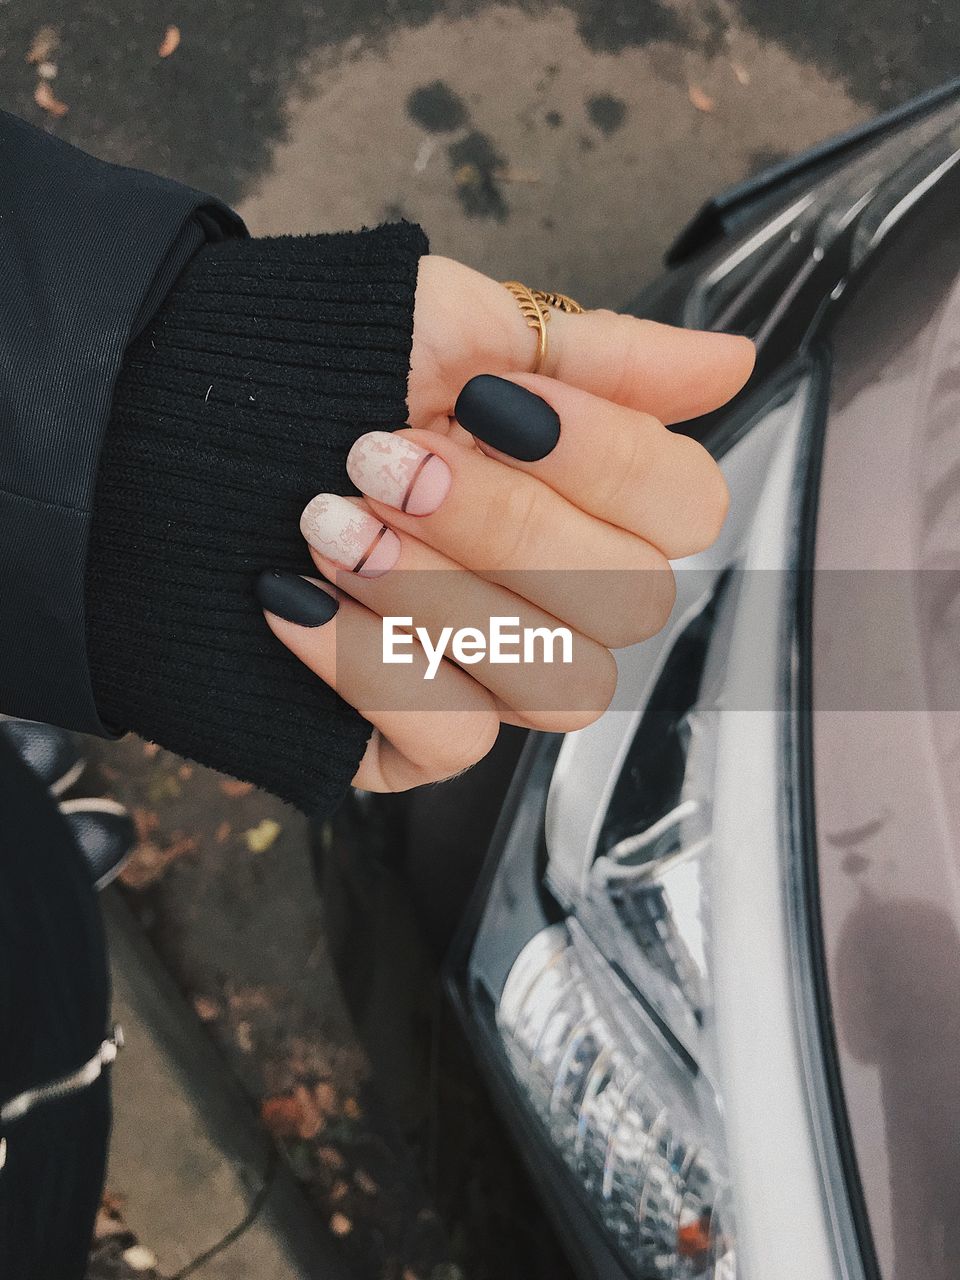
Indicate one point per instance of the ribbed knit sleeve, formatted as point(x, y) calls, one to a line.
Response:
point(236, 405)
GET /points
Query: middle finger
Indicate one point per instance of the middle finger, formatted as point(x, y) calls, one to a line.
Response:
point(503, 525)
point(557, 686)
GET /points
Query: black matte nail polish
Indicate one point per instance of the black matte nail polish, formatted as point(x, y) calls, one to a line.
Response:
point(295, 599)
point(507, 416)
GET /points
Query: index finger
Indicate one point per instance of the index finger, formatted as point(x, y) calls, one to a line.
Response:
point(672, 373)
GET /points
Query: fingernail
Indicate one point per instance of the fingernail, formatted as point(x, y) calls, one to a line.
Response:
point(392, 469)
point(507, 416)
point(295, 599)
point(351, 537)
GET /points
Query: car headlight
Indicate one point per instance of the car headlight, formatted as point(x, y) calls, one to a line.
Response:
point(605, 1015)
point(624, 1116)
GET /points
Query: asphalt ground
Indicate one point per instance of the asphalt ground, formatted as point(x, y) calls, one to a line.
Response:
point(561, 142)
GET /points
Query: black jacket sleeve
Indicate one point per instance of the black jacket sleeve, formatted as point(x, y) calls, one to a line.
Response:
point(237, 404)
point(87, 252)
point(172, 393)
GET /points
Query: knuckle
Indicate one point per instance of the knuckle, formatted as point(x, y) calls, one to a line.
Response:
point(626, 337)
point(621, 484)
point(507, 533)
point(469, 737)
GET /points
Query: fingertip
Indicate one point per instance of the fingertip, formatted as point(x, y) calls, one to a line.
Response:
point(291, 597)
point(742, 355)
point(720, 365)
point(738, 355)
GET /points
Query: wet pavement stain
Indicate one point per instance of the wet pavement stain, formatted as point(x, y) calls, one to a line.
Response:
point(476, 163)
point(436, 108)
point(554, 119)
point(606, 112)
point(474, 160)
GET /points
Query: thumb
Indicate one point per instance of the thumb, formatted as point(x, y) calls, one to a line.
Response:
point(466, 323)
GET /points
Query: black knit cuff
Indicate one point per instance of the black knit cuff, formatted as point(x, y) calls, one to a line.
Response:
point(237, 404)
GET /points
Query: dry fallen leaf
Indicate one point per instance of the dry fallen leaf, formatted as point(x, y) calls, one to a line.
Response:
point(146, 821)
point(261, 837)
point(311, 1114)
point(139, 1258)
point(742, 74)
point(243, 1035)
point(294, 1115)
point(47, 71)
point(151, 749)
point(206, 1008)
point(112, 1203)
point(331, 1157)
point(163, 786)
point(104, 1226)
point(365, 1183)
point(235, 789)
point(351, 1109)
point(223, 833)
point(248, 999)
point(185, 772)
point(340, 1224)
point(467, 175)
point(149, 862)
point(42, 45)
point(170, 41)
point(326, 1098)
point(409, 1275)
point(107, 1224)
point(339, 1191)
point(701, 100)
point(48, 101)
point(281, 1115)
point(525, 176)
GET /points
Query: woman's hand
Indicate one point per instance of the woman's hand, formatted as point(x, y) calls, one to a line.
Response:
point(555, 499)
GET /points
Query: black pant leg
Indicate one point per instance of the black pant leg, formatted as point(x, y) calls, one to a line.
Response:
point(54, 1010)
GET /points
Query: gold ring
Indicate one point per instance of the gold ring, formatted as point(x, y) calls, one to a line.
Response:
point(535, 305)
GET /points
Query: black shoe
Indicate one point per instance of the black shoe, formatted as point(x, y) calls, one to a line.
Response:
point(105, 833)
point(50, 752)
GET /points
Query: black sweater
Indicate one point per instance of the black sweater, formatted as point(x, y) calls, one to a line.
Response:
point(235, 406)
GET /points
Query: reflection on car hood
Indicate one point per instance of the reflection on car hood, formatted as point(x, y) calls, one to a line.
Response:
point(886, 732)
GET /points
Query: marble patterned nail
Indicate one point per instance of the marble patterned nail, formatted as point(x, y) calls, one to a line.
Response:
point(349, 536)
point(392, 469)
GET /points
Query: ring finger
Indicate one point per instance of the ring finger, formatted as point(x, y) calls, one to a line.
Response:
point(541, 674)
point(504, 525)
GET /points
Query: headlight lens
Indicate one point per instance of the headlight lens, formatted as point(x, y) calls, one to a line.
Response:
point(624, 1114)
point(605, 1014)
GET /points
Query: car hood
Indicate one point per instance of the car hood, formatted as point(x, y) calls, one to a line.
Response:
point(885, 665)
